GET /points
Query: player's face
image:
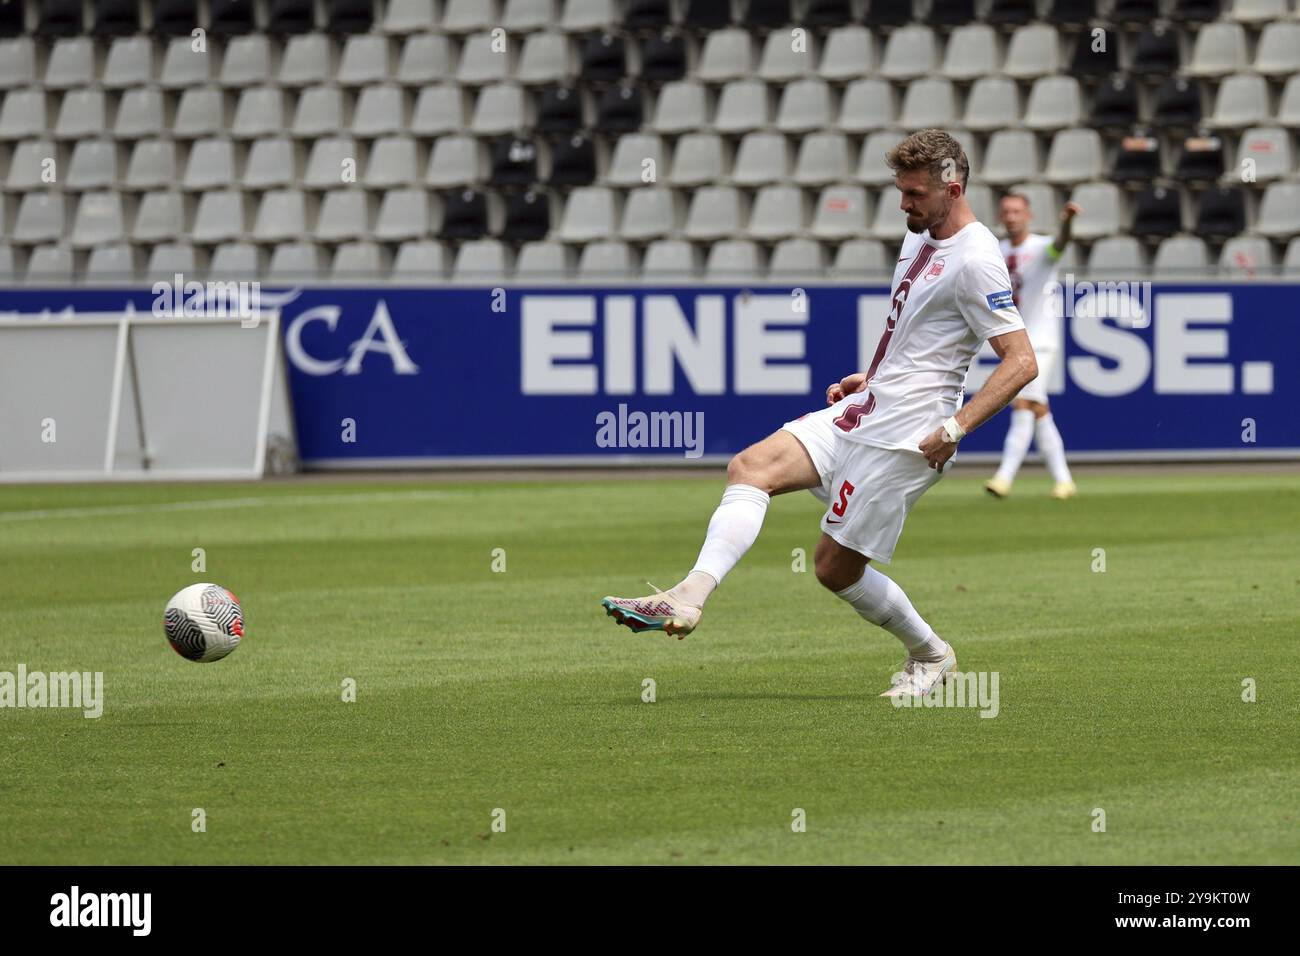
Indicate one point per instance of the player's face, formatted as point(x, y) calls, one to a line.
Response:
point(1014, 215)
point(925, 199)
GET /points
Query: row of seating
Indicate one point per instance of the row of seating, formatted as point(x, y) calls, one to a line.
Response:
point(849, 53)
point(234, 17)
point(488, 260)
point(594, 213)
point(804, 106)
point(1259, 156)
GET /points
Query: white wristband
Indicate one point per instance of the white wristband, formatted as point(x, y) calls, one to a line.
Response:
point(953, 431)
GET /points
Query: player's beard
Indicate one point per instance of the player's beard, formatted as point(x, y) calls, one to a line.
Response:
point(921, 225)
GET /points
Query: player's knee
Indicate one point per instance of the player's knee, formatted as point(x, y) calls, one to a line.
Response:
point(744, 469)
point(835, 572)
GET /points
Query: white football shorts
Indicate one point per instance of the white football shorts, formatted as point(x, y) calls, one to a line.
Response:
point(869, 490)
point(1036, 391)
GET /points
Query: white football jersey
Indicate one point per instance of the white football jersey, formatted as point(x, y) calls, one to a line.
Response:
point(1033, 273)
point(949, 296)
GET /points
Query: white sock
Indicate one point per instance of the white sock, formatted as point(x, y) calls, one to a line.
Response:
point(1014, 449)
point(879, 600)
point(732, 531)
point(1053, 448)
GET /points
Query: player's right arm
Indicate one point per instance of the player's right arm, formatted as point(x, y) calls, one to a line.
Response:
point(848, 385)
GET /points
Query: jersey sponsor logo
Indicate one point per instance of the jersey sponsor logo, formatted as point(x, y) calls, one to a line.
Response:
point(936, 270)
point(1000, 300)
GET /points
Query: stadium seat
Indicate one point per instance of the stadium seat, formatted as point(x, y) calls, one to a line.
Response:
point(365, 60)
point(344, 214)
point(1201, 159)
point(71, 64)
point(201, 112)
point(805, 105)
point(1138, 160)
point(1102, 210)
point(1257, 11)
point(1181, 257)
point(546, 58)
point(27, 165)
point(380, 110)
point(544, 262)
point(582, 15)
point(1158, 212)
point(349, 16)
point(1246, 257)
point(1278, 53)
point(360, 260)
point(176, 18)
point(671, 260)
point(700, 158)
point(50, 264)
point(797, 260)
point(260, 111)
point(823, 158)
point(993, 104)
point(910, 52)
point(1034, 51)
point(237, 260)
point(404, 213)
point(706, 14)
point(573, 161)
point(525, 16)
point(1222, 212)
point(872, 169)
point(663, 58)
point(160, 216)
point(766, 14)
point(393, 161)
point(93, 165)
point(930, 103)
point(1157, 51)
point(247, 62)
point(1242, 100)
point(290, 16)
point(82, 114)
point(867, 105)
point(1075, 156)
point(1268, 148)
point(779, 212)
point(284, 215)
point(512, 161)
point(23, 115)
point(842, 212)
point(847, 54)
point(781, 62)
point(762, 158)
point(682, 106)
point(116, 17)
point(1011, 12)
point(466, 16)
point(971, 53)
point(1220, 49)
point(950, 13)
point(11, 267)
point(716, 212)
point(182, 68)
point(59, 18)
point(1278, 211)
point(828, 13)
point(99, 219)
point(420, 260)
point(632, 153)
point(129, 63)
point(499, 109)
point(1043, 202)
point(1114, 104)
point(1013, 155)
point(726, 55)
point(1288, 111)
point(17, 62)
point(734, 260)
point(230, 17)
point(651, 213)
point(1091, 59)
point(329, 160)
point(425, 58)
point(527, 216)
point(272, 163)
point(1291, 262)
point(590, 213)
point(648, 14)
point(466, 214)
point(482, 260)
point(890, 13)
point(1177, 104)
point(439, 109)
point(153, 165)
point(1195, 11)
point(744, 105)
point(606, 261)
point(211, 165)
point(1134, 11)
point(1116, 256)
point(297, 262)
point(456, 161)
point(861, 258)
point(1054, 103)
point(481, 62)
point(166, 259)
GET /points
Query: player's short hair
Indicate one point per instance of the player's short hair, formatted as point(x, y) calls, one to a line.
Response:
point(1021, 196)
point(931, 149)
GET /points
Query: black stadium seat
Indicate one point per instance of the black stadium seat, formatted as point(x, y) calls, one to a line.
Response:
point(951, 13)
point(60, 18)
point(1070, 12)
point(708, 14)
point(1200, 160)
point(620, 109)
point(663, 58)
point(464, 215)
point(1090, 62)
point(1135, 11)
point(1157, 52)
point(528, 217)
point(573, 161)
point(647, 15)
point(1158, 213)
point(1178, 103)
point(1222, 213)
point(175, 17)
point(513, 162)
point(291, 16)
point(1011, 12)
point(1115, 104)
point(889, 13)
point(604, 58)
point(828, 13)
point(11, 20)
point(349, 16)
point(231, 17)
point(1138, 160)
point(766, 14)
point(559, 110)
point(117, 17)
point(1195, 11)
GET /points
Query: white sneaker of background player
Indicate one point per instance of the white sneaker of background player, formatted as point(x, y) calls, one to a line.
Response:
point(918, 678)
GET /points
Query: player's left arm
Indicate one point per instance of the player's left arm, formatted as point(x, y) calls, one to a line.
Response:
point(1064, 234)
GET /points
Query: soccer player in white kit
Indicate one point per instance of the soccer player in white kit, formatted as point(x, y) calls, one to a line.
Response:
point(1033, 261)
point(889, 431)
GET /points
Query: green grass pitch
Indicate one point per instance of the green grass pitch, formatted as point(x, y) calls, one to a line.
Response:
point(479, 690)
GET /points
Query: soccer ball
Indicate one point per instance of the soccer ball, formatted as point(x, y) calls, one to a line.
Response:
point(204, 622)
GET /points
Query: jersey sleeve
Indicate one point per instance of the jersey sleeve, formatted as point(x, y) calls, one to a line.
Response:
point(984, 297)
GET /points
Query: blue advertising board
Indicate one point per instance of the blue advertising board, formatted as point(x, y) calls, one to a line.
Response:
point(588, 374)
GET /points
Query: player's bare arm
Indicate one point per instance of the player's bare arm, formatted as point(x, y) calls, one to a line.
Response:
point(1064, 233)
point(1016, 370)
point(848, 385)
